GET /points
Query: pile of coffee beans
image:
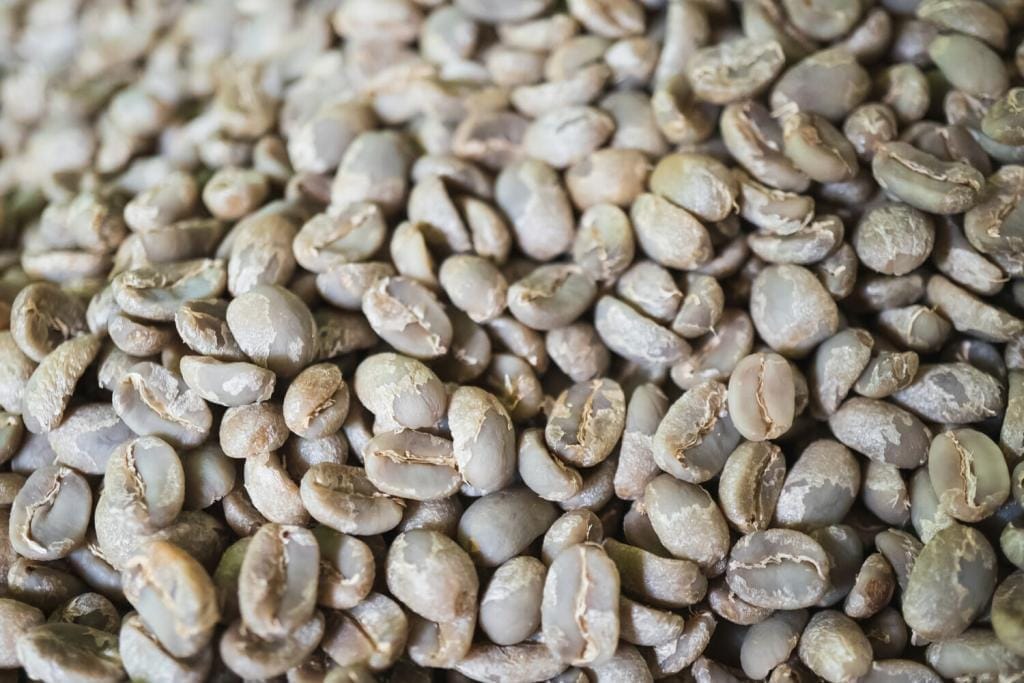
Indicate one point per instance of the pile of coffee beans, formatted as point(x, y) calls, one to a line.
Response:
point(582, 341)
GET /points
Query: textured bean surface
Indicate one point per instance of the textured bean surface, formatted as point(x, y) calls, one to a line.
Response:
point(511, 340)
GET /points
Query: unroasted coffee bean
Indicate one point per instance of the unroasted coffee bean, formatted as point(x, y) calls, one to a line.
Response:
point(762, 396)
point(672, 503)
point(951, 582)
point(669, 234)
point(925, 182)
point(156, 402)
point(887, 373)
point(248, 655)
point(89, 609)
point(885, 494)
point(895, 437)
point(227, 383)
point(400, 391)
point(696, 435)
point(636, 337)
point(778, 569)
point(916, 327)
point(586, 421)
point(893, 238)
point(791, 310)
point(347, 569)
point(49, 389)
point(531, 195)
point(770, 642)
point(829, 83)
point(143, 657)
point(328, 239)
point(274, 328)
point(818, 149)
point(750, 484)
point(811, 244)
point(551, 296)
point(636, 465)
point(483, 439)
point(970, 315)
point(578, 351)
point(674, 656)
point(604, 244)
point(250, 430)
point(575, 526)
point(50, 514)
point(501, 525)
point(953, 393)
point(584, 583)
point(411, 464)
point(342, 498)
point(277, 583)
point(174, 596)
point(18, 619)
point(968, 473)
point(820, 487)
point(872, 589)
point(834, 647)
point(1007, 619)
point(70, 652)
point(510, 605)
point(544, 473)
point(976, 651)
point(43, 316)
point(316, 402)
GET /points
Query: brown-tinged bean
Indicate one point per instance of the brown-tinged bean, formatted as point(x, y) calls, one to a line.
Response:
point(872, 589)
point(70, 652)
point(250, 430)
